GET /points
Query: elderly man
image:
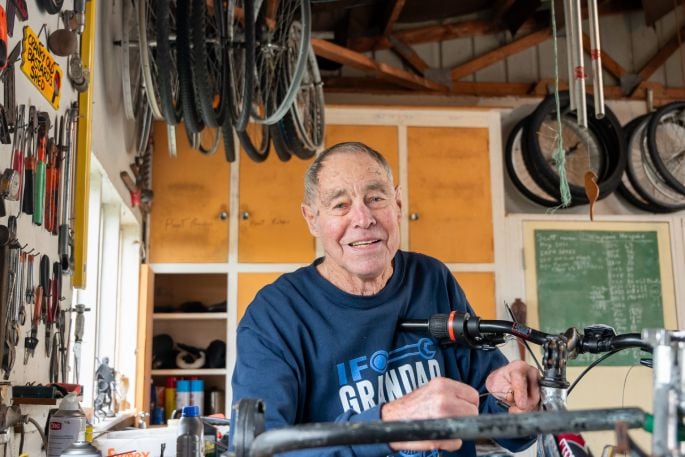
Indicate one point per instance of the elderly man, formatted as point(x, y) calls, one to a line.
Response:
point(321, 344)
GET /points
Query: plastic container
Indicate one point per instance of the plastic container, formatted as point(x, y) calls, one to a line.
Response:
point(182, 393)
point(197, 394)
point(170, 397)
point(67, 425)
point(190, 439)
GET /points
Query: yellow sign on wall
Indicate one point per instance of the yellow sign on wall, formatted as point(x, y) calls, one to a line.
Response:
point(40, 67)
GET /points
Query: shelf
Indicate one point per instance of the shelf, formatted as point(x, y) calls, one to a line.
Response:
point(189, 316)
point(196, 372)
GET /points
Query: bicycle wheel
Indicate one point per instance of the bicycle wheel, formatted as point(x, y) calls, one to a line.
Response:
point(210, 72)
point(517, 171)
point(191, 118)
point(167, 80)
point(666, 144)
point(240, 30)
point(257, 149)
point(130, 60)
point(307, 111)
point(273, 52)
point(228, 141)
point(642, 173)
point(147, 44)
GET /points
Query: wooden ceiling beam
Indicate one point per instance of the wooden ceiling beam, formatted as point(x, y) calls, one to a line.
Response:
point(406, 53)
point(476, 27)
point(394, 13)
point(366, 64)
point(661, 56)
point(500, 53)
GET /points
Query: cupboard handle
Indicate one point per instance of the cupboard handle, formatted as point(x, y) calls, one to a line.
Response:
point(414, 217)
point(244, 215)
point(223, 215)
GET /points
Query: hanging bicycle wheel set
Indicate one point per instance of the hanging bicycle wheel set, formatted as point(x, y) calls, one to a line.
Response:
point(235, 66)
point(642, 161)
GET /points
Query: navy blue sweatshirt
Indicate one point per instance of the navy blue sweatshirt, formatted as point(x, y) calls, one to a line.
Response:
point(314, 353)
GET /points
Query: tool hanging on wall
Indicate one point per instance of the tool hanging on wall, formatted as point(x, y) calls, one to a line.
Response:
point(79, 323)
point(52, 182)
point(7, 77)
point(65, 236)
point(75, 21)
point(29, 161)
point(16, 8)
point(4, 43)
point(41, 165)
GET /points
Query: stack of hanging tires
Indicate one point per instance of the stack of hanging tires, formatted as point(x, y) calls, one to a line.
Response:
point(529, 153)
point(655, 171)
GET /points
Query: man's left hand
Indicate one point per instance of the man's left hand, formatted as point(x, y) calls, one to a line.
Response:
point(518, 384)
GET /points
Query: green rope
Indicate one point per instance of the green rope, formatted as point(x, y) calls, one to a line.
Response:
point(559, 155)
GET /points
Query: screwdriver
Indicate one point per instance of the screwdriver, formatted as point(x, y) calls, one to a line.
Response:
point(29, 163)
point(39, 183)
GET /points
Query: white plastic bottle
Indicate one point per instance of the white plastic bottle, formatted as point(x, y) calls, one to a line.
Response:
point(190, 439)
point(67, 424)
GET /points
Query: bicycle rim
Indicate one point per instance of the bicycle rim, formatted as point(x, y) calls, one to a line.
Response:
point(307, 111)
point(208, 140)
point(241, 59)
point(146, 21)
point(273, 47)
point(167, 80)
point(209, 61)
point(666, 144)
point(130, 61)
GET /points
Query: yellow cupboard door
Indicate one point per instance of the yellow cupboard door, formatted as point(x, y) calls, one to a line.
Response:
point(248, 286)
point(479, 288)
point(450, 208)
point(271, 226)
point(382, 138)
point(189, 218)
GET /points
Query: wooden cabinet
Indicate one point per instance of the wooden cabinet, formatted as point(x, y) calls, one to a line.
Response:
point(270, 225)
point(189, 218)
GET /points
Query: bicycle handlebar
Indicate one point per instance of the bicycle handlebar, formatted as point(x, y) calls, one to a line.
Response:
point(484, 334)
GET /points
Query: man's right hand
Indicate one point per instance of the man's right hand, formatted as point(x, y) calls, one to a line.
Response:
point(441, 397)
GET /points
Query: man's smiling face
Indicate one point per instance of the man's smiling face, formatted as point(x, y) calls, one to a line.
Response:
point(356, 215)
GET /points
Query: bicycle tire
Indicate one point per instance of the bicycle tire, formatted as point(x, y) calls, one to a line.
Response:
point(51, 6)
point(280, 145)
point(208, 148)
point(650, 188)
point(518, 172)
point(191, 118)
point(270, 61)
point(147, 58)
point(130, 62)
point(208, 57)
point(609, 139)
point(658, 129)
point(307, 111)
point(167, 81)
point(241, 60)
point(257, 154)
point(228, 140)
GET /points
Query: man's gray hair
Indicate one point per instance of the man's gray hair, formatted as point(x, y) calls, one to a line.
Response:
point(311, 177)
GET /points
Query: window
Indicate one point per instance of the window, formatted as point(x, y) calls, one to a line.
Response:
point(111, 292)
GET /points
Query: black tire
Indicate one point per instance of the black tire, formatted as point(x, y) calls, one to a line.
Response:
point(280, 144)
point(241, 64)
point(532, 191)
point(208, 57)
point(228, 141)
point(51, 6)
point(167, 79)
point(256, 153)
point(609, 141)
point(191, 119)
point(639, 167)
point(674, 178)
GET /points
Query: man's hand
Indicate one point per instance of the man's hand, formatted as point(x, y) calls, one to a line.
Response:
point(441, 397)
point(516, 383)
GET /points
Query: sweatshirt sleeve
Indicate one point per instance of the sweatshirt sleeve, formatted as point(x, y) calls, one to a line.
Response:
point(281, 392)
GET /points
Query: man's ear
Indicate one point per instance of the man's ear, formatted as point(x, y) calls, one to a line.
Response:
point(398, 198)
point(309, 215)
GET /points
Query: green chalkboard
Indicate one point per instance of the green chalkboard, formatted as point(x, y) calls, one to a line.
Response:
point(598, 277)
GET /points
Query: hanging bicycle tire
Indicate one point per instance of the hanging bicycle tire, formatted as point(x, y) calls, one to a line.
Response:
point(599, 148)
point(228, 140)
point(130, 60)
point(307, 111)
point(147, 46)
point(191, 118)
point(642, 173)
point(240, 32)
point(666, 143)
point(518, 172)
point(167, 80)
point(258, 150)
point(209, 61)
point(273, 48)
point(51, 6)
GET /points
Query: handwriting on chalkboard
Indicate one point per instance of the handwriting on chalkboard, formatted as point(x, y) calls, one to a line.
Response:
point(599, 277)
